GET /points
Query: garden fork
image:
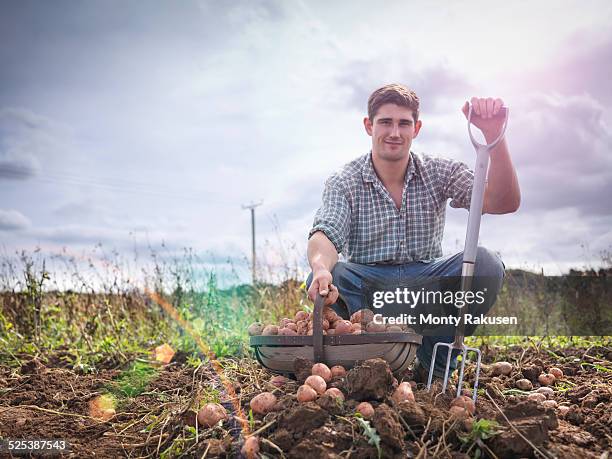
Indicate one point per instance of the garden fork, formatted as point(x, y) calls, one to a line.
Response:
point(469, 259)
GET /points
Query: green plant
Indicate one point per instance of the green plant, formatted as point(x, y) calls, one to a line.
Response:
point(370, 433)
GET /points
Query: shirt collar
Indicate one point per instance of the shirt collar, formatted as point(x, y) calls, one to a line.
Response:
point(369, 174)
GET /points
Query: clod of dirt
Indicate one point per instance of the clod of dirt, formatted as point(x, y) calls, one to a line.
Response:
point(303, 418)
point(574, 415)
point(302, 368)
point(330, 404)
point(533, 421)
point(32, 367)
point(531, 372)
point(387, 423)
point(412, 413)
point(371, 380)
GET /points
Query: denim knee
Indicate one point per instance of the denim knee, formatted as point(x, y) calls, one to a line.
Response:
point(489, 264)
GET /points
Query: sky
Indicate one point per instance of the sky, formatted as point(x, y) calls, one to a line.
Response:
point(130, 126)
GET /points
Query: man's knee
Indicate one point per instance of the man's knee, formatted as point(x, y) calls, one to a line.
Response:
point(489, 264)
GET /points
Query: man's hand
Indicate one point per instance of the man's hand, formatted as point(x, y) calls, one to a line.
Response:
point(486, 119)
point(322, 284)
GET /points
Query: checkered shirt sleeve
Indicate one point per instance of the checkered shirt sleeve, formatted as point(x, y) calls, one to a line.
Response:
point(457, 180)
point(334, 215)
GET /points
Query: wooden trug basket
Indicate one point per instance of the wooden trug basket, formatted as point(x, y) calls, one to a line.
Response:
point(277, 353)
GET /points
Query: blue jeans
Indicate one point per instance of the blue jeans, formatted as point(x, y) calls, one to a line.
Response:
point(353, 280)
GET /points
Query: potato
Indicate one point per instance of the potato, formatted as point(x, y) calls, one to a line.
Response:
point(373, 327)
point(291, 326)
point(286, 332)
point(255, 329)
point(325, 324)
point(317, 383)
point(556, 372)
point(211, 414)
point(270, 330)
point(331, 331)
point(403, 392)
point(284, 321)
point(306, 394)
point(362, 316)
point(524, 384)
point(546, 379)
point(366, 410)
point(342, 327)
point(536, 396)
point(549, 404)
point(323, 371)
point(330, 314)
point(562, 410)
point(263, 403)
point(458, 412)
point(338, 371)
point(356, 328)
point(278, 381)
point(250, 449)
point(501, 368)
point(301, 315)
point(335, 393)
point(466, 403)
point(546, 391)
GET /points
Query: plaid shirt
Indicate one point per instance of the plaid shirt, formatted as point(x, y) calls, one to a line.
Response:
point(360, 218)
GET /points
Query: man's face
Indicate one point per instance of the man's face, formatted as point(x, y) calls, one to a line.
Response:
point(392, 131)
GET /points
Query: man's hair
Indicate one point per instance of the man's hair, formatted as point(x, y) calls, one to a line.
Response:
point(393, 94)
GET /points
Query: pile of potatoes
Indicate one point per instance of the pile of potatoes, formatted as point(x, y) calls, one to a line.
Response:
point(302, 324)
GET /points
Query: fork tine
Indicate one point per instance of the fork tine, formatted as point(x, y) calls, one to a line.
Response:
point(461, 370)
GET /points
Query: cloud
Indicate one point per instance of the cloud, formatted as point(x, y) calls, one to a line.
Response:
point(561, 150)
point(18, 167)
point(12, 220)
point(433, 84)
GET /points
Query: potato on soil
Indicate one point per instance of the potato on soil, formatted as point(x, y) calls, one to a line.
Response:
point(255, 329)
point(338, 371)
point(322, 370)
point(270, 330)
point(211, 414)
point(546, 379)
point(403, 392)
point(306, 394)
point(335, 393)
point(466, 403)
point(366, 410)
point(537, 397)
point(250, 449)
point(549, 404)
point(545, 390)
point(458, 412)
point(317, 383)
point(556, 372)
point(263, 403)
point(501, 368)
point(524, 384)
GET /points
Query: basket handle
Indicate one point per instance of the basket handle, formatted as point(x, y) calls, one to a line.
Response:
point(317, 329)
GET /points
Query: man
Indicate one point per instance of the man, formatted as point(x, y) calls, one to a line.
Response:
point(385, 212)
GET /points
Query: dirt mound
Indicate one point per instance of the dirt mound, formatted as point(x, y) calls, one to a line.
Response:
point(372, 380)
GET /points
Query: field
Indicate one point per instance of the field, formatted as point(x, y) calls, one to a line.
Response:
point(122, 372)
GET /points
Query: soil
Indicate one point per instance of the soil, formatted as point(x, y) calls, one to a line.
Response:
point(44, 400)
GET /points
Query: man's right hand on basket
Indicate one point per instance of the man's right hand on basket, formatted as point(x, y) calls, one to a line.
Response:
point(322, 284)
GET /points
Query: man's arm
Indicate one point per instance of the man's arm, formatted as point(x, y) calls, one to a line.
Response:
point(502, 193)
point(322, 257)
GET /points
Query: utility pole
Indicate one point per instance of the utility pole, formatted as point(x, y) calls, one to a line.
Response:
point(252, 209)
